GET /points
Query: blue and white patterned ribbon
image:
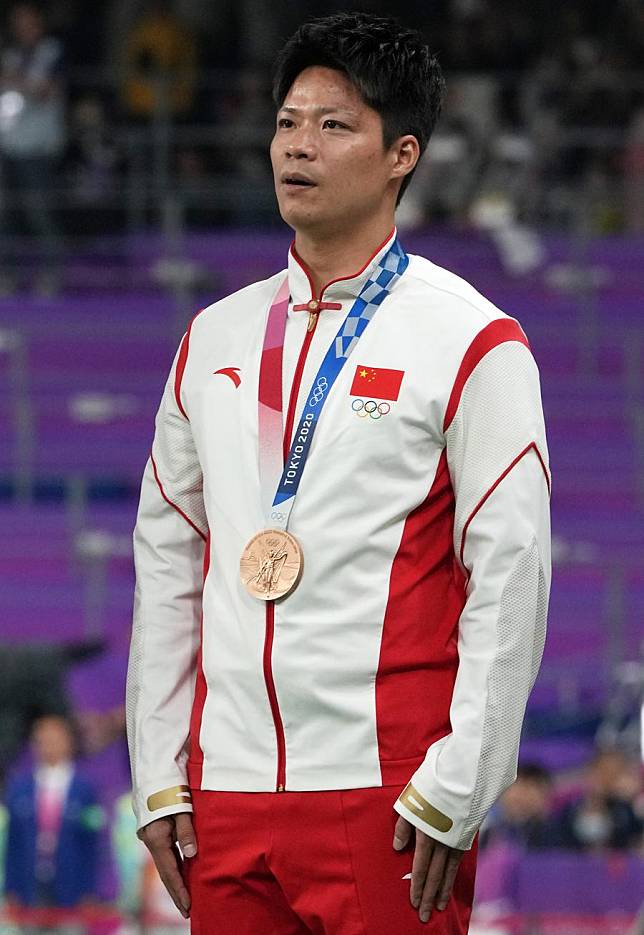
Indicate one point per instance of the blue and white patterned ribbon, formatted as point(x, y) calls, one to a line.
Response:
point(375, 290)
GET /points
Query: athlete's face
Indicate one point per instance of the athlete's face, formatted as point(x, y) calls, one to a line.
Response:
point(331, 169)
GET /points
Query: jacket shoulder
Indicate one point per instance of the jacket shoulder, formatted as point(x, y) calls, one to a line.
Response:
point(453, 294)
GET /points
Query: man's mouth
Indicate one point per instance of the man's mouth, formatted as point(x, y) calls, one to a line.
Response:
point(298, 180)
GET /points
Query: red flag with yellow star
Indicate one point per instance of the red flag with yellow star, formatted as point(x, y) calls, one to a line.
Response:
point(376, 382)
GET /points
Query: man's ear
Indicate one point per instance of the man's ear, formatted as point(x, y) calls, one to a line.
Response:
point(406, 153)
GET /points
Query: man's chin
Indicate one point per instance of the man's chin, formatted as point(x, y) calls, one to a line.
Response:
point(303, 219)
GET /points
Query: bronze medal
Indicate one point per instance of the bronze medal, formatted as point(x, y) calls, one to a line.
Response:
point(271, 564)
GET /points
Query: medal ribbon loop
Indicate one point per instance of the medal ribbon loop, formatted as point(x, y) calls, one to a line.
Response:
point(278, 504)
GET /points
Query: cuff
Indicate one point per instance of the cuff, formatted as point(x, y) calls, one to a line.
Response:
point(432, 820)
point(159, 803)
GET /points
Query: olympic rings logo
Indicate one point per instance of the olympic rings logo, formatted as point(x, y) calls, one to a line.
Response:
point(370, 408)
point(319, 391)
point(280, 517)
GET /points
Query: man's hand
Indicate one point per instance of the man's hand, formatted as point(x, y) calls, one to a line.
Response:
point(433, 871)
point(161, 838)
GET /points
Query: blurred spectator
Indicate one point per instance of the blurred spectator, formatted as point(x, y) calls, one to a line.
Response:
point(92, 156)
point(99, 729)
point(634, 174)
point(523, 814)
point(248, 116)
point(32, 132)
point(160, 69)
point(32, 685)
point(603, 815)
point(54, 820)
point(448, 174)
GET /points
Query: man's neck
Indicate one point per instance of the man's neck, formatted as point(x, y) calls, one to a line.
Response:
point(333, 257)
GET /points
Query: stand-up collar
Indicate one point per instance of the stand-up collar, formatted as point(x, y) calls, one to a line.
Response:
point(338, 290)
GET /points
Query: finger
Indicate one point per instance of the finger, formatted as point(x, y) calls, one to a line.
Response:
point(433, 881)
point(422, 856)
point(402, 834)
point(453, 863)
point(186, 837)
point(158, 832)
point(167, 864)
point(186, 899)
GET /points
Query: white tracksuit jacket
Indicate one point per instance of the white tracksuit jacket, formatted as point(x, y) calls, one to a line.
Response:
point(407, 652)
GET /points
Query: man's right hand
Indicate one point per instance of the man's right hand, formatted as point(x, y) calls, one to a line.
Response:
point(161, 838)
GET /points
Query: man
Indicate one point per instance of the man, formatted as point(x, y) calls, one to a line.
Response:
point(603, 813)
point(33, 684)
point(371, 614)
point(523, 816)
point(32, 133)
point(54, 825)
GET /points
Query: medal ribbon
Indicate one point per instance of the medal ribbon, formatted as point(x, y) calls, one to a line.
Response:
point(278, 505)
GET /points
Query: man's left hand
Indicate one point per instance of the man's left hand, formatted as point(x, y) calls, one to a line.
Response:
point(433, 871)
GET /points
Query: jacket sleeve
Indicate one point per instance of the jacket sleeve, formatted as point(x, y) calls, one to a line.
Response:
point(498, 462)
point(169, 536)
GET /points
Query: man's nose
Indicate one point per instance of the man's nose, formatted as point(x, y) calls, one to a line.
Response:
point(301, 145)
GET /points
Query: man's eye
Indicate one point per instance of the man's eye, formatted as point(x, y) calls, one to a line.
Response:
point(284, 123)
point(334, 125)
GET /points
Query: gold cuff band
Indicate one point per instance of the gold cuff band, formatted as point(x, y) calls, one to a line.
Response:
point(419, 806)
point(176, 795)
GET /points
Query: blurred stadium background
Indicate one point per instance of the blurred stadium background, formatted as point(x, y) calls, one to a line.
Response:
point(135, 188)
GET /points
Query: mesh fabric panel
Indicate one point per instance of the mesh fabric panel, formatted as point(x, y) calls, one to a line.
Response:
point(510, 679)
point(177, 462)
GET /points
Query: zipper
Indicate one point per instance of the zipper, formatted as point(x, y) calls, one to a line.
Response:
point(272, 697)
point(280, 785)
point(314, 306)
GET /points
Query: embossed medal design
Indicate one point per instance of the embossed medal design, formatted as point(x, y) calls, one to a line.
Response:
point(271, 564)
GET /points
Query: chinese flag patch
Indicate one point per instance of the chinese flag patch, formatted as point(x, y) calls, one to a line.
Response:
point(376, 382)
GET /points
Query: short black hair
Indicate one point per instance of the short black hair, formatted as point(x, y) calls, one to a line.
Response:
point(389, 64)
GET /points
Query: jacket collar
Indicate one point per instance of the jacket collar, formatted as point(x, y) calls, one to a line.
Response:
point(345, 288)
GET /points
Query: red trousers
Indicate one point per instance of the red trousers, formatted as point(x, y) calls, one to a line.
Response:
point(297, 863)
